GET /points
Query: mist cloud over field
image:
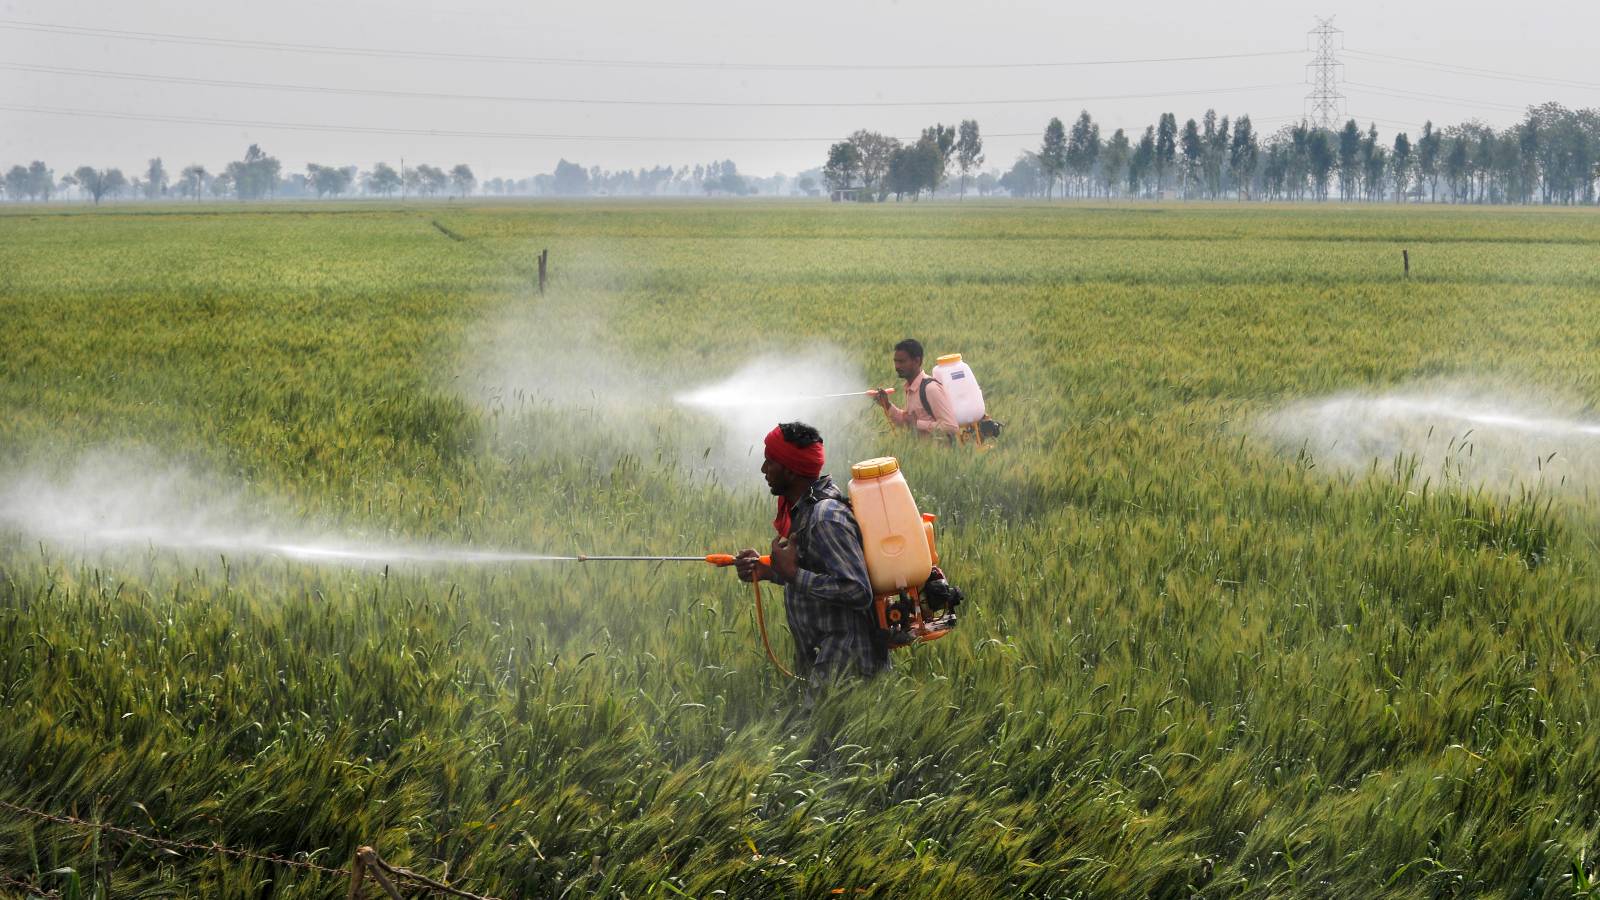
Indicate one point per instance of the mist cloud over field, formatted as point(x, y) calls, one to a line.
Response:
point(559, 380)
point(1501, 438)
point(108, 501)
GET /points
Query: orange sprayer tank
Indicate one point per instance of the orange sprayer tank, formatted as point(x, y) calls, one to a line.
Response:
point(893, 533)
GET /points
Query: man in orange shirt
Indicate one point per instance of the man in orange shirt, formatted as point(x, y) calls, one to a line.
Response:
point(927, 408)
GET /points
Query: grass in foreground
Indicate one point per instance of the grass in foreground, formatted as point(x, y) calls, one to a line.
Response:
point(1192, 665)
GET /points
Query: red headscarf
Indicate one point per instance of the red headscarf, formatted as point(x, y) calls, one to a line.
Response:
point(805, 462)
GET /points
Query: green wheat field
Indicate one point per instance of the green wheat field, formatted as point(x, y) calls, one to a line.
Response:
point(1195, 660)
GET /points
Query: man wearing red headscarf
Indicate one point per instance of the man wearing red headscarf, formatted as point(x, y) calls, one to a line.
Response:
point(817, 557)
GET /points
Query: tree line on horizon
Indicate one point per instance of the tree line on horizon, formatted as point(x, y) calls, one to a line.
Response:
point(259, 176)
point(1551, 156)
point(718, 177)
point(871, 166)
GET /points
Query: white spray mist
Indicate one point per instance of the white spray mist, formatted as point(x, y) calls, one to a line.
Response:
point(555, 379)
point(743, 406)
point(108, 502)
point(1497, 438)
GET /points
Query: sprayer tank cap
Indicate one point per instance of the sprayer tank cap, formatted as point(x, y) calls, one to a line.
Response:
point(875, 468)
point(949, 358)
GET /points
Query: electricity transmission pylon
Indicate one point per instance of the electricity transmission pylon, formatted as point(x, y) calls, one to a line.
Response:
point(1325, 105)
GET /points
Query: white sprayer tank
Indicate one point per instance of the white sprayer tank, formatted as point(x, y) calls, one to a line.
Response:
point(893, 533)
point(961, 386)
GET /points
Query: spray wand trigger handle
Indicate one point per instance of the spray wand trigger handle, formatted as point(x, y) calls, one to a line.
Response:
point(722, 560)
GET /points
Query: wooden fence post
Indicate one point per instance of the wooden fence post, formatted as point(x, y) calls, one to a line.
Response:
point(544, 259)
point(370, 857)
point(358, 874)
point(1405, 257)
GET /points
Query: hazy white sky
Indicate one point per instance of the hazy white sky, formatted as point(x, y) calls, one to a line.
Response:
point(1552, 41)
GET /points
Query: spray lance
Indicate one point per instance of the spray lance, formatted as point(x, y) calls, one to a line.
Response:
point(912, 602)
point(721, 398)
point(864, 393)
point(720, 560)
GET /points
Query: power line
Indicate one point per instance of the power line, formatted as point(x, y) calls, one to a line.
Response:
point(1421, 95)
point(1392, 123)
point(1474, 71)
point(438, 132)
point(205, 41)
point(432, 132)
point(501, 98)
point(486, 135)
point(422, 132)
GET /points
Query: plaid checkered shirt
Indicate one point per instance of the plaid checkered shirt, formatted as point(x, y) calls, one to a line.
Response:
point(829, 602)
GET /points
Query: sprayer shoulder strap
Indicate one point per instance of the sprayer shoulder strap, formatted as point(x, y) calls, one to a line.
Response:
point(835, 513)
point(923, 390)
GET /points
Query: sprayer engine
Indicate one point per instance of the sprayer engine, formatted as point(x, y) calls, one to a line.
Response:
point(926, 614)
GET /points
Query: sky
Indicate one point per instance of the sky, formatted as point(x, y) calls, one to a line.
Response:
point(80, 60)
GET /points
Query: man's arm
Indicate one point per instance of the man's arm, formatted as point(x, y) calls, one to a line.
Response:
point(944, 415)
point(840, 575)
point(750, 567)
point(897, 416)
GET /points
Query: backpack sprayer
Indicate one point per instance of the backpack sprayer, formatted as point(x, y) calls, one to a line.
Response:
point(966, 400)
point(897, 540)
point(912, 602)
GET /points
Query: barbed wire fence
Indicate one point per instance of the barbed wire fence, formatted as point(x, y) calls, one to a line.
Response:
point(366, 864)
point(29, 888)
